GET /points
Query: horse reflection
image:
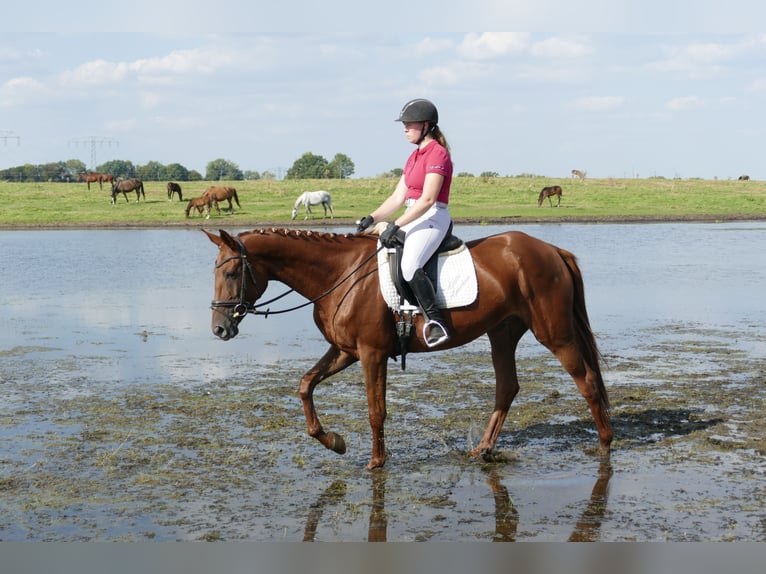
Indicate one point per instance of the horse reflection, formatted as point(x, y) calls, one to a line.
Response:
point(587, 528)
point(334, 494)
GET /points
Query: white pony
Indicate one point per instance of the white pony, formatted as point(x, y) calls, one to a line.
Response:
point(309, 198)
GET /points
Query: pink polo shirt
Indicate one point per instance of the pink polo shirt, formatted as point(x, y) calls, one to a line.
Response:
point(433, 158)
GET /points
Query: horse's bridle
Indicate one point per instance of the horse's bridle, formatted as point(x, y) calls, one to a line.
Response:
point(241, 307)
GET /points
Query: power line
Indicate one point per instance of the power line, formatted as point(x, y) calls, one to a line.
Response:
point(6, 135)
point(94, 142)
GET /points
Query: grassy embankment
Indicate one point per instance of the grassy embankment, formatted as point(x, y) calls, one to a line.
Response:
point(472, 198)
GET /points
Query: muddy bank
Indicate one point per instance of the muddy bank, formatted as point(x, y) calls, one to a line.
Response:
point(230, 459)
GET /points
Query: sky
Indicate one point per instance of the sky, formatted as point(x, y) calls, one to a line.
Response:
point(614, 101)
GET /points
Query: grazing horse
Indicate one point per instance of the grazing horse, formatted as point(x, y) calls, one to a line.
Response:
point(173, 187)
point(198, 203)
point(216, 194)
point(309, 198)
point(124, 186)
point(523, 284)
point(744, 178)
point(549, 192)
point(579, 174)
point(91, 178)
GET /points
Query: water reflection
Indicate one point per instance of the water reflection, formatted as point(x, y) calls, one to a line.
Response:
point(506, 516)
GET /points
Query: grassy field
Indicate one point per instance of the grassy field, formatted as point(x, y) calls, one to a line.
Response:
point(472, 198)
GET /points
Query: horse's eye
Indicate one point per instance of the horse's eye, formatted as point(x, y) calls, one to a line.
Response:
point(230, 275)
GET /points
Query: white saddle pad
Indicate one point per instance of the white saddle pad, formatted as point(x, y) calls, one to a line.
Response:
point(456, 286)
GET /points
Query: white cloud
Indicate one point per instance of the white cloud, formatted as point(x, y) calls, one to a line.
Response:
point(429, 46)
point(684, 103)
point(19, 90)
point(492, 45)
point(558, 47)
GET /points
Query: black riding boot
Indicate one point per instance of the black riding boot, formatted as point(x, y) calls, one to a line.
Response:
point(434, 331)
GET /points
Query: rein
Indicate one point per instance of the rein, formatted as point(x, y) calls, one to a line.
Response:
point(241, 307)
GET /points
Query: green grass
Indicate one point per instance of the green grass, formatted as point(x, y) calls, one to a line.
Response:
point(472, 198)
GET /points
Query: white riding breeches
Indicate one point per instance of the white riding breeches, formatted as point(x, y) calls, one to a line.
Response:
point(423, 236)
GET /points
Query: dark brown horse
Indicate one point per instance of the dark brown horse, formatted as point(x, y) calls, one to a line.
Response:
point(216, 194)
point(199, 203)
point(124, 186)
point(523, 284)
point(549, 192)
point(744, 178)
point(173, 187)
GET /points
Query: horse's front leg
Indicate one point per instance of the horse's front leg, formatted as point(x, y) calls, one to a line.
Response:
point(375, 369)
point(333, 361)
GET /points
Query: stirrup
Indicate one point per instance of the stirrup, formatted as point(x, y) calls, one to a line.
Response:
point(434, 333)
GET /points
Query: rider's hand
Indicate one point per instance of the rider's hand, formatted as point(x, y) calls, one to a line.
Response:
point(388, 238)
point(364, 223)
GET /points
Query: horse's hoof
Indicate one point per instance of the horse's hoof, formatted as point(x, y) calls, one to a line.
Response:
point(337, 444)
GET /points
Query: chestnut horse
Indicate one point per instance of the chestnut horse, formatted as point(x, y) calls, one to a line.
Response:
point(549, 192)
point(216, 194)
point(523, 284)
point(199, 203)
point(91, 178)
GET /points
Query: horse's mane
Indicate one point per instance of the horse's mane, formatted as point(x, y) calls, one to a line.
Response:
point(307, 234)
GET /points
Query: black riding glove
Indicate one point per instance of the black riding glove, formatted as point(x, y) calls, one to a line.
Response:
point(388, 238)
point(364, 223)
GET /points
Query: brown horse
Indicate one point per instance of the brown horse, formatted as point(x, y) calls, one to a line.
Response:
point(744, 178)
point(105, 178)
point(523, 284)
point(198, 203)
point(91, 178)
point(549, 192)
point(124, 186)
point(216, 194)
point(173, 187)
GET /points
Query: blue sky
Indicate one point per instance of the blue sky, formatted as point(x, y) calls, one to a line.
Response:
point(613, 103)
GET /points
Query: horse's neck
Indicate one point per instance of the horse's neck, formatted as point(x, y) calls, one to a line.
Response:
point(300, 260)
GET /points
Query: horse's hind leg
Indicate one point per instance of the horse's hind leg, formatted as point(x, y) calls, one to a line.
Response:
point(503, 340)
point(591, 387)
point(333, 361)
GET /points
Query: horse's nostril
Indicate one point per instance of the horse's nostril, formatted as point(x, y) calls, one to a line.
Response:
point(219, 331)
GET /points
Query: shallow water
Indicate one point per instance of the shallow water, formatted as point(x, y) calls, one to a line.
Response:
point(115, 389)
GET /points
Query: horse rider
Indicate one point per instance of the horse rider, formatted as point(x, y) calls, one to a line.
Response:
point(424, 189)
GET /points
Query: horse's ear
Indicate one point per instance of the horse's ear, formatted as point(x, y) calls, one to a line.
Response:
point(214, 238)
point(229, 240)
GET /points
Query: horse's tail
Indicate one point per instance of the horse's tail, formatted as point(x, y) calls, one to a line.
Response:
point(586, 341)
point(234, 195)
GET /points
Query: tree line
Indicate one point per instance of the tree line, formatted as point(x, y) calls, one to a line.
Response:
point(308, 166)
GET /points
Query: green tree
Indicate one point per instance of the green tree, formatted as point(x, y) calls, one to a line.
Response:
point(222, 169)
point(118, 168)
point(251, 175)
point(74, 168)
point(341, 166)
point(176, 172)
point(152, 171)
point(309, 166)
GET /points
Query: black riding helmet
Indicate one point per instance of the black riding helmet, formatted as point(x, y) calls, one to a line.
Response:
point(420, 110)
